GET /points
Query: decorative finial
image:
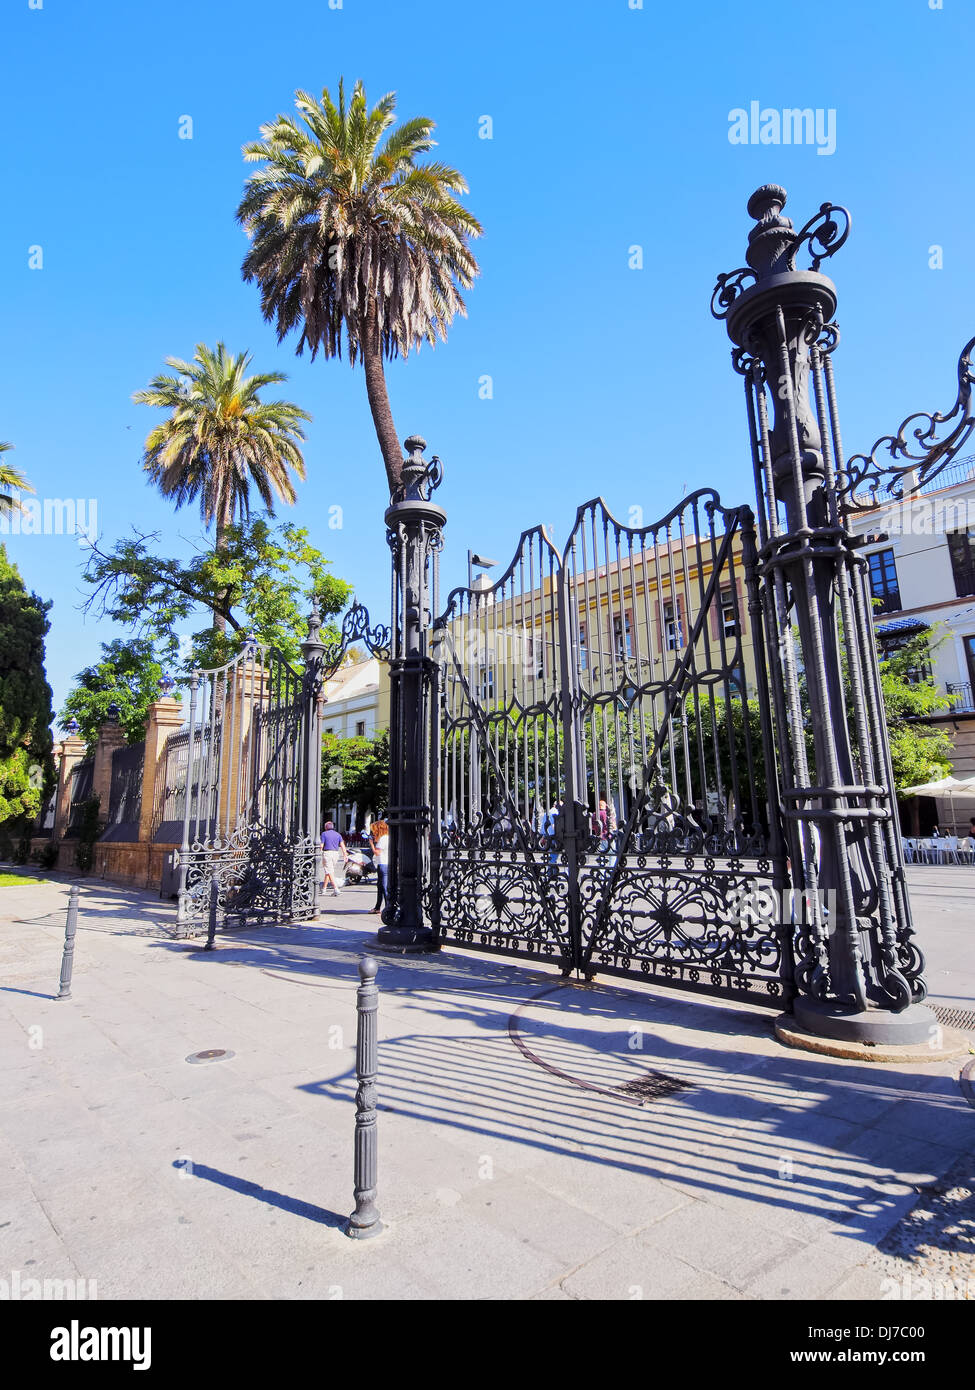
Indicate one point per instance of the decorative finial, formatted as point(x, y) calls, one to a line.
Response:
point(419, 478)
point(314, 621)
point(72, 726)
point(772, 241)
point(166, 685)
point(112, 713)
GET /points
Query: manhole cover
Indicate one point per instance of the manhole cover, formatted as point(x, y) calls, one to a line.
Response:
point(212, 1054)
point(652, 1086)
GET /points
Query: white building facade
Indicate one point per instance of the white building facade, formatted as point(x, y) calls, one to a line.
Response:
point(921, 553)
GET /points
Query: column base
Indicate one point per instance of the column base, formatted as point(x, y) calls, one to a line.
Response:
point(915, 1024)
point(363, 1232)
point(950, 1044)
point(400, 939)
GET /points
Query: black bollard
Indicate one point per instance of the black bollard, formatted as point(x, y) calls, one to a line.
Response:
point(67, 960)
point(214, 900)
point(365, 1221)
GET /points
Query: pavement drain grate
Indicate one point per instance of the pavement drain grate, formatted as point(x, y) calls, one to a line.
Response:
point(955, 1018)
point(212, 1054)
point(652, 1086)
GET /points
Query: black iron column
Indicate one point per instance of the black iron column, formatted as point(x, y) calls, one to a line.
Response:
point(313, 650)
point(858, 972)
point(415, 533)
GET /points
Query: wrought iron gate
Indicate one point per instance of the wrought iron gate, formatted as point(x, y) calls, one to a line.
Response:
point(602, 795)
point(248, 779)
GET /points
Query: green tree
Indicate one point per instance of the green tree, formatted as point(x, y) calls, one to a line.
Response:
point(352, 238)
point(26, 743)
point(220, 439)
point(356, 770)
point(263, 581)
point(11, 482)
point(126, 676)
point(919, 752)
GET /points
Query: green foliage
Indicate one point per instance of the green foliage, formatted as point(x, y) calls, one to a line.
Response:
point(220, 438)
point(26, 744)
point(345, 224)
point(127, 676)
point(919, 752)
point(356, 770)
point(12, 482)
point(263, 579)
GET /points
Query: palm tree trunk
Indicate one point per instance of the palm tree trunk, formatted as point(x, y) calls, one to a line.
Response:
point(382, 415)
point(219, 621)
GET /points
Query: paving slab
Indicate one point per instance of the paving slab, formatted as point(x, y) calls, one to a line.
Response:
point(513, 1163)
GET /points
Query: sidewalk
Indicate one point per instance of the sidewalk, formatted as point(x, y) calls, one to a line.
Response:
point(511, 1165)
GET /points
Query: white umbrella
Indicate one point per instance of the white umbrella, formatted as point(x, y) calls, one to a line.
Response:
point(944, 786)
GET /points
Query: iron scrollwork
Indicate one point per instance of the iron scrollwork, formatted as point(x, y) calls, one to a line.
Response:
point(915, 452)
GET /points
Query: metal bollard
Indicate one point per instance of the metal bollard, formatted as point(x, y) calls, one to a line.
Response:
point(71, 926)
point(365, 1221)
point(214, 901)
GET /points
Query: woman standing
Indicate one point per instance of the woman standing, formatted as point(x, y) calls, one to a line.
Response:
point(379, 835)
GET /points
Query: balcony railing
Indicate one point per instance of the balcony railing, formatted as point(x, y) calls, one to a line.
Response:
point(960, 697)
point(959, 471)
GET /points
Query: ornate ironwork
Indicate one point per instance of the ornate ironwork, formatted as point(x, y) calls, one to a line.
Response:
point(857, 966)
point(594, 721)
point(918, 452)
point(415, 534)
point(355, 628)
point(263, 877)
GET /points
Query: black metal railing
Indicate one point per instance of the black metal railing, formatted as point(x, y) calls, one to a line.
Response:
point(125, 793)
point(82, 780)
point(960, 694)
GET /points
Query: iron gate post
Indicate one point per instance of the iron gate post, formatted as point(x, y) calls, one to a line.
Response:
point(415, 534)
point(313, 650)
point(858, 972)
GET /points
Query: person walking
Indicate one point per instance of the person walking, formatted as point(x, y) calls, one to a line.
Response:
point(333, 848)
point(379, 834)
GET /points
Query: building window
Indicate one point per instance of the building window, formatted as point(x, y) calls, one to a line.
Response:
point(622, 636)
point(961, 547)
point(360, 729)
point(729, 618)
point(672, 628)
point(883, 582)
point(583, 648)
point(486, 683)
point(329, 731)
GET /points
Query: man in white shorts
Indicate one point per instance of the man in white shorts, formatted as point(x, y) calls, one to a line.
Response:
point(333, 849)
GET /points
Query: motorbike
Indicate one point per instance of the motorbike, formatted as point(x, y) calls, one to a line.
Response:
point(360, 864)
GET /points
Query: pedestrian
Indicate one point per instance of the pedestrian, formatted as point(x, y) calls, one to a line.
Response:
point(379, 834)
point(333, 848)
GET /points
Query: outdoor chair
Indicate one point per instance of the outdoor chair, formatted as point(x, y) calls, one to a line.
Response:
point(949, 850)
point(910, 849)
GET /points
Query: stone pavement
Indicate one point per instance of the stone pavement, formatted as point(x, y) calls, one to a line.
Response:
point(511, 1164)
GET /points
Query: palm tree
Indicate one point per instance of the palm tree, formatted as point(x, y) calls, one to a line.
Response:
point(11, 478)
point(351, 237)
point(220, 438)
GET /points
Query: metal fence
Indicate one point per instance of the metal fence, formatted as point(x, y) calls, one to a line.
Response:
point(82, 780)
point(125, 793)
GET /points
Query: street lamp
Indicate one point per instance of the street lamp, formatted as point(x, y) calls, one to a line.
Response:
point(473, 559)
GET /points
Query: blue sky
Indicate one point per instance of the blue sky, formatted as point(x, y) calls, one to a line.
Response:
point(610, 129)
